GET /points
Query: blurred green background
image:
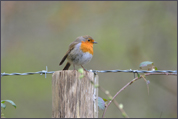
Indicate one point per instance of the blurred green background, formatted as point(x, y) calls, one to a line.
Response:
point(37, 34)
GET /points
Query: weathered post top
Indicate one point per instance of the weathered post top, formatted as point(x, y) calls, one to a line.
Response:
point(73, 96)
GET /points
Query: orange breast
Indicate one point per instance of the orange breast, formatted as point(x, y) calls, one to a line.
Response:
point(87, 47)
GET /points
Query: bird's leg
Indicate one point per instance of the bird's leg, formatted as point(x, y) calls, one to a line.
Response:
point(74, 66)
point(74, 69)
point(83, 68)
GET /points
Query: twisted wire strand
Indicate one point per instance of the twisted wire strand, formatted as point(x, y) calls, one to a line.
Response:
point(95, 71)
point(136, 71)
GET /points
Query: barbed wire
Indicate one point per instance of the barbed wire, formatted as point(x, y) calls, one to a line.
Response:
point(95, 71)
point(136, 71)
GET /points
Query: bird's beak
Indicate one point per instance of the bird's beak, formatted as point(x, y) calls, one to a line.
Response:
point(94, 42)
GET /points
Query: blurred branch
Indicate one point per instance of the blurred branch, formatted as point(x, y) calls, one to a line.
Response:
point(129, 83)
point(115, 102)
point(110, 97)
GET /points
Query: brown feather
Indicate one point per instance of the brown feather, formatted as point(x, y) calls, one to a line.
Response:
point(63, 59)
point(71, 47)
point(67, 66)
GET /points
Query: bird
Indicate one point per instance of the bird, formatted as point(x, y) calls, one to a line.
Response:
point(80, 52)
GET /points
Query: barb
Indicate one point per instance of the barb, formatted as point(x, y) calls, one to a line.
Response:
point(174, 72)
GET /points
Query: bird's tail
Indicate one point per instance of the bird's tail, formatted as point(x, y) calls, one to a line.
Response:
point(63, 59)
point(67, 66)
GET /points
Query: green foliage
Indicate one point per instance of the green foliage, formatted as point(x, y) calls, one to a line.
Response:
point(145, 63)
point(4, 105)
point(121, 106)
point(110, 98)
point(9, 101)
point(96, 86)
point(138, 75)
point(101, 103)
point(80, 70)
point(105, 99)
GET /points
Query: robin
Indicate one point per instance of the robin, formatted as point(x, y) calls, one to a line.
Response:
point(80, 52)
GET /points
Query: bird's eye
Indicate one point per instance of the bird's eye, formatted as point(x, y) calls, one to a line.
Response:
point(88, 40)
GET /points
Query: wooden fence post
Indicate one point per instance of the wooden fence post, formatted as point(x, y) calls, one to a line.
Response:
point(72, 96)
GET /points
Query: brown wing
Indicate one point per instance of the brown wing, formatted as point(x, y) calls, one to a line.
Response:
point(71, 47)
